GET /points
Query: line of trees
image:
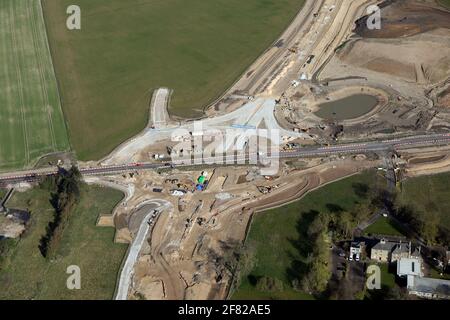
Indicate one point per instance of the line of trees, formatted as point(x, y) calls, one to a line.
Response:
point(233, 260)
point(65, 194)
point(342, 223)
point(336, 225)
point(318, 271)
point(426, 224)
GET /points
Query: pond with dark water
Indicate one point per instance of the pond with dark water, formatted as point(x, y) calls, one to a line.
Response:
point(347, 108)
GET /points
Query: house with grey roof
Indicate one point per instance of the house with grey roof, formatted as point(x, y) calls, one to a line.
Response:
point(404, 250)
point(392, 251)
point(382, 251)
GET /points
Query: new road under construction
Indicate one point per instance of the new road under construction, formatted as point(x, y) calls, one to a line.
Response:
point(192, 187)
point(389, 145)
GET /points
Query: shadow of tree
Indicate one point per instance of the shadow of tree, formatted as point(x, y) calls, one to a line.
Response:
point(252, 279)
point(303, 247)
point(362, 190)
point(334, 208)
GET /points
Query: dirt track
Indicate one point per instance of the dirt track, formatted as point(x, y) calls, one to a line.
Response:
point(177, 262)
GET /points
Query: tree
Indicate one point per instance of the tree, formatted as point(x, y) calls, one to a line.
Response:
point(236, 261)
point(361, 212)
point(319, 273)
point(268, 284)
point(426, 224)
point(318, 225)
point(430, 227)
point(246, 261)
point(318, 276)
point(65, 195)
point(345, 224)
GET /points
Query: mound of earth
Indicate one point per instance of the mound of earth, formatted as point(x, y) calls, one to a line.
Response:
point(10, 228)
point(444, 99)
point(423, 59)
point(150, 288)
point(404, 18)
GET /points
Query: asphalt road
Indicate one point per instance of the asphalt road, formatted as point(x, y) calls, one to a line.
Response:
point(354, 148)
point(136, 246)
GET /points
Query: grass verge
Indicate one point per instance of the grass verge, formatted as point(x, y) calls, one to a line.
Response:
point(384, 226)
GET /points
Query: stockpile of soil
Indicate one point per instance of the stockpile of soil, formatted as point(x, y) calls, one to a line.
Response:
point(404, 18)
point(444, 99)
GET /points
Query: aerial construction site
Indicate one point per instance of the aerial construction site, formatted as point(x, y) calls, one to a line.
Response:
point(330, 99)
point(325, 56)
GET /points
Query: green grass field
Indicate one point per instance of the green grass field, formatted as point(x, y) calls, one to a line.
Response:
point(387, 278)
point(445, 3)
point(248, 292)
point(32, 122)
point(125, 49)
point(25, 274)
point(388, 283)
point(384, 226)
point(2, 193)
point(280, 239)
point(429, 194)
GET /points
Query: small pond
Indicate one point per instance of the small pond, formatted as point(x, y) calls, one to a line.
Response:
point(347, 108)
